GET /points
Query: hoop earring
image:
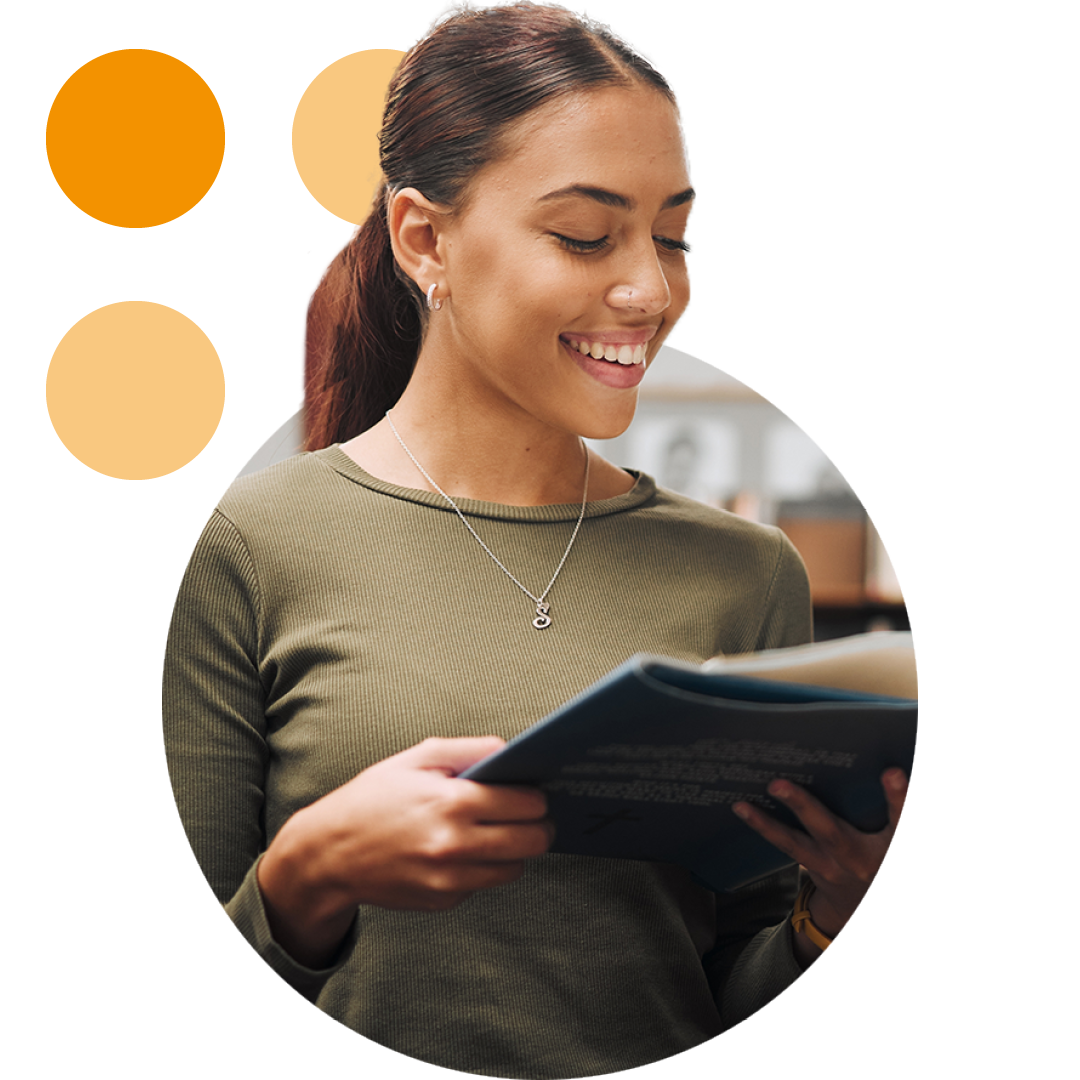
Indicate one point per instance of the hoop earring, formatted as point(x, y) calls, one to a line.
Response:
point(433, 305)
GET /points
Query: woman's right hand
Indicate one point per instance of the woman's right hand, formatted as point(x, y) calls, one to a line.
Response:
point(403, 834)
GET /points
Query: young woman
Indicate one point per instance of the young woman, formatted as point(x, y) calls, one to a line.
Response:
point(448, 563)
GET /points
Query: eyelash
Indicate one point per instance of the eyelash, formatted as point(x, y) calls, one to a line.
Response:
point(588, 246)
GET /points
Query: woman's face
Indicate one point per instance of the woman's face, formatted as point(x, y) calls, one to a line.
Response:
point(566, 267)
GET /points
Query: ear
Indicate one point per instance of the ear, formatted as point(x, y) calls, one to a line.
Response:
point(416, 224)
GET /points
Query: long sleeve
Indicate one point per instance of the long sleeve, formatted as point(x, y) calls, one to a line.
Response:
point(788, 618)
point(753, 959)
point(310, 641)
point(215, 732)
point(213, 708)
point(746, 974)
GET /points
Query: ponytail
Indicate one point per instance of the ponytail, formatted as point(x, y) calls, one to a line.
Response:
point(363, 336)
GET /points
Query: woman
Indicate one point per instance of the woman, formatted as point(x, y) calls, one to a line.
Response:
point(362, 622)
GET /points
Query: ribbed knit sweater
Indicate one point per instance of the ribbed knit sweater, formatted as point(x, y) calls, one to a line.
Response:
point(328, 620)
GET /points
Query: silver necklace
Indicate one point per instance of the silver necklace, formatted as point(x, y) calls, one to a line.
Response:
point(543, 609)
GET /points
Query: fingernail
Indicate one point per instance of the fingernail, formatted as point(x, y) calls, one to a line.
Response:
point(742, 810)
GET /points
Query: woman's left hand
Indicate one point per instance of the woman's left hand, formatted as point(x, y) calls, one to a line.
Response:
point(840, 860)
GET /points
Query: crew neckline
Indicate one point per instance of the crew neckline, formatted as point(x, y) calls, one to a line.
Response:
point(643, 490)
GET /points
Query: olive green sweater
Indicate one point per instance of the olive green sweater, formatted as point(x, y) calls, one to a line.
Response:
point(328, 620)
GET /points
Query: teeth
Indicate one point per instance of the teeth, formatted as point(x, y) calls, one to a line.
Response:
point(620, 354)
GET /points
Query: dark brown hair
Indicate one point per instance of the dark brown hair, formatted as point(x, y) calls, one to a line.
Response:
point(448, 110)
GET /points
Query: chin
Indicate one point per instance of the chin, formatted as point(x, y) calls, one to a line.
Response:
point(607, 425)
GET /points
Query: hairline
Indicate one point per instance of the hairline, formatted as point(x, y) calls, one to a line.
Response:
point(508, 141)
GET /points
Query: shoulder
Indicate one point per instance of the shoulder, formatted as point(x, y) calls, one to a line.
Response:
point(298, 497)
point(262, 530)
point(689, 522)
point(272, 482)
point(754, 566)
point(265, 515)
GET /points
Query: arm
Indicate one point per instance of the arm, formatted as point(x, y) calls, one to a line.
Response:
point(758, 955)
point(788, 613)
point(401, 834)
point(752, 960)
point(840, 860)
point(213, 706)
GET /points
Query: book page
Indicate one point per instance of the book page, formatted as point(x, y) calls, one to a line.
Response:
point(874, 663)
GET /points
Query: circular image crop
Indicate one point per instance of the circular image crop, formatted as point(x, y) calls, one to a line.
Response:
point(539, 701)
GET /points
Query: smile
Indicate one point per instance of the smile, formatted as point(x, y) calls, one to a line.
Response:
point(616, 354)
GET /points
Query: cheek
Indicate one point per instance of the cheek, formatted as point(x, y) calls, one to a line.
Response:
point(679, 286)
point(679, 273)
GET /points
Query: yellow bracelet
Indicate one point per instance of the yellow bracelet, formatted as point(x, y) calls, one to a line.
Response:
point(801, 922)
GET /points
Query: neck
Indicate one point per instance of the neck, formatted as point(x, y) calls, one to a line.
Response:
point(476, 446)
point(478, 461)
point(470, 459)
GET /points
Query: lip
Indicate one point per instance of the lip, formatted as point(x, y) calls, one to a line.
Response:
point(616, 376)
point(613, 337)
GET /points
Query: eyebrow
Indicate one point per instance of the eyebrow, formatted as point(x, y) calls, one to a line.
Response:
point(613, 198)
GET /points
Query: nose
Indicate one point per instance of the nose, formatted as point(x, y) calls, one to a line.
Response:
point(643, 285)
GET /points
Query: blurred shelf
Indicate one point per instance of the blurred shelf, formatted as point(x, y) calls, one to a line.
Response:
point(843, 620)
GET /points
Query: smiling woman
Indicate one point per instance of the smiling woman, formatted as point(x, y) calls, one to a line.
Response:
point(568, 249)
point(448, 563)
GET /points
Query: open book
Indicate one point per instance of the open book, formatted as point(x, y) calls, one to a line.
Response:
point(878, 663)
point(647, 762)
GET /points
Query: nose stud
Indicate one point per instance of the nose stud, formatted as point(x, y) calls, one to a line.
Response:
point(625, 296)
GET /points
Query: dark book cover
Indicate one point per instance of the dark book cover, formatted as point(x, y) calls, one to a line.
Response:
point(647, 762)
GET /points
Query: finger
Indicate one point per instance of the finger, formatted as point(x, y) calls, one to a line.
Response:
point(821, 823)
point(505, 802)
point(509, 843)
point(895, 783)
point(451, 756)
point(797, 846)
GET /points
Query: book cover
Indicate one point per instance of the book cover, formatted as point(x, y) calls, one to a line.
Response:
point(647, 762)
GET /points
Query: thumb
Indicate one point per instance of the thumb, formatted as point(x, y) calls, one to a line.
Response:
point(451, 756)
